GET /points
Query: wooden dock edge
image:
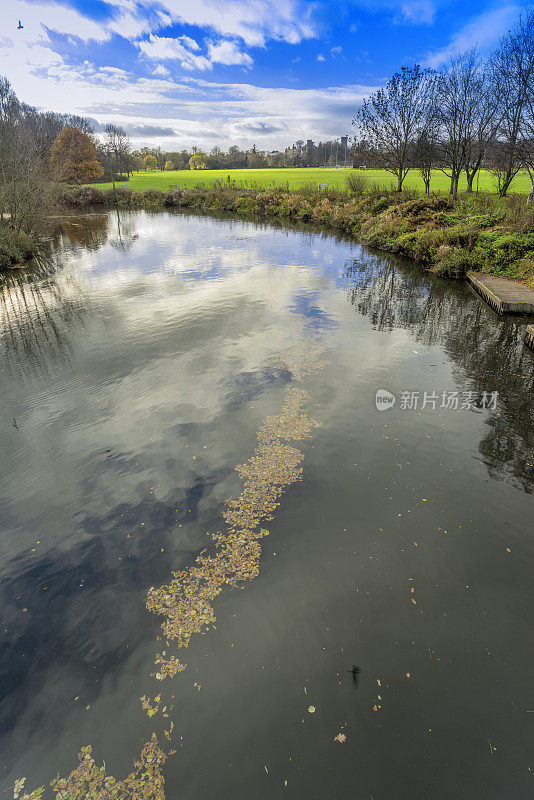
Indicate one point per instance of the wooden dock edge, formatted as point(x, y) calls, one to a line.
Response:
point(480, 287)
point(497, 303)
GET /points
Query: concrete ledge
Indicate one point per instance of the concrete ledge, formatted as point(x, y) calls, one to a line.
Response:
point(529, 337)
point(503, 295)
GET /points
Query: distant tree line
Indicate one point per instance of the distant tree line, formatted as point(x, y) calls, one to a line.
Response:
point(472, 114)
point(335, 152)
point(150, 158)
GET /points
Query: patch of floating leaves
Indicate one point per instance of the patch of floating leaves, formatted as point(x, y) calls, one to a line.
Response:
point(186, 601)
point(146, 705)
point(87, 780)
point(302, 360)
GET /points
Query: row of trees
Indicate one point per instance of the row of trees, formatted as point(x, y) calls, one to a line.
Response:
point(475, 113)
point(234, 158)
point(300, 154)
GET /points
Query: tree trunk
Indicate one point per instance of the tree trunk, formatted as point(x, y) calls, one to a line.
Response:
point(470, 177)
point(506, 181)
point(531, 193)
point(399, 182)
point(454, 186)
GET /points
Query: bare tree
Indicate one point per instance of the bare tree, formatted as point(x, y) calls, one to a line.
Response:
point(26, 191)
point(514, 67)
point(483, 121)
point(527, 148)
point(464, 118)
point(425, 155)
point(392, 118)
point(117, 150)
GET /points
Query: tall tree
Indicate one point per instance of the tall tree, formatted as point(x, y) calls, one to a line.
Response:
point(484, 106)
point(514, 67)
point(391, 119)
point(255, 159)
point(457, 105)
point(527, 149)
point(118, 150)
point(73, 157)
point(425, 155)
point(26, 192)
point(198, 161)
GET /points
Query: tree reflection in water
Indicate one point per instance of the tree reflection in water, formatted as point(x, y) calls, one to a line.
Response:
point(35, 316)
point(487, 351)
point(39, 304)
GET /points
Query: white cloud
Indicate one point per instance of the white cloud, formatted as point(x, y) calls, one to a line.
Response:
point(162, 48)
point(190, 43)
point(418, 12)
point(228, 53)
point(320, 57)
point(254, 21)
point(484, 31)
point(336, 51)
point(411, 12)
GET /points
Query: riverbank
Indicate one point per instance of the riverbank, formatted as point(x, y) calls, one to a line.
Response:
point(474, 232)
point(482, 233)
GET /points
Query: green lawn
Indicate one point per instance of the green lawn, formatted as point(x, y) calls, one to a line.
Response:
point(335, 178)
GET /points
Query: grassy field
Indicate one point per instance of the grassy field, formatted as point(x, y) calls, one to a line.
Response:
point(335, 178)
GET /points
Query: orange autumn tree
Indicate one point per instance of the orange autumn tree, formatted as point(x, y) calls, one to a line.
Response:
point(73, 157)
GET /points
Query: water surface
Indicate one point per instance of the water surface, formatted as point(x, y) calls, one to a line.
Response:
point(137, 365)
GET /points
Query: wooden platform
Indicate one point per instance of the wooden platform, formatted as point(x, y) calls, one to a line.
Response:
point(503, 295)
point(529, 337)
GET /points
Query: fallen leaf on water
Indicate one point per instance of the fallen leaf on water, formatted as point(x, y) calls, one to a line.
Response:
point(311, 709)
point(340, 738)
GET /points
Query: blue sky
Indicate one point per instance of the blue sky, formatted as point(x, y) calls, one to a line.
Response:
point(177, 73)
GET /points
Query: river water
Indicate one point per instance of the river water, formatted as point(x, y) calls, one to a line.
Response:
point(378, 642)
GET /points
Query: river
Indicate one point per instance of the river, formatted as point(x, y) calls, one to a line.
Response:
point(354, 607)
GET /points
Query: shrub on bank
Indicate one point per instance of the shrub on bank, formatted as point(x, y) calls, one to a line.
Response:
point(83, 197)
point(16, 247)
point(454, 261)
